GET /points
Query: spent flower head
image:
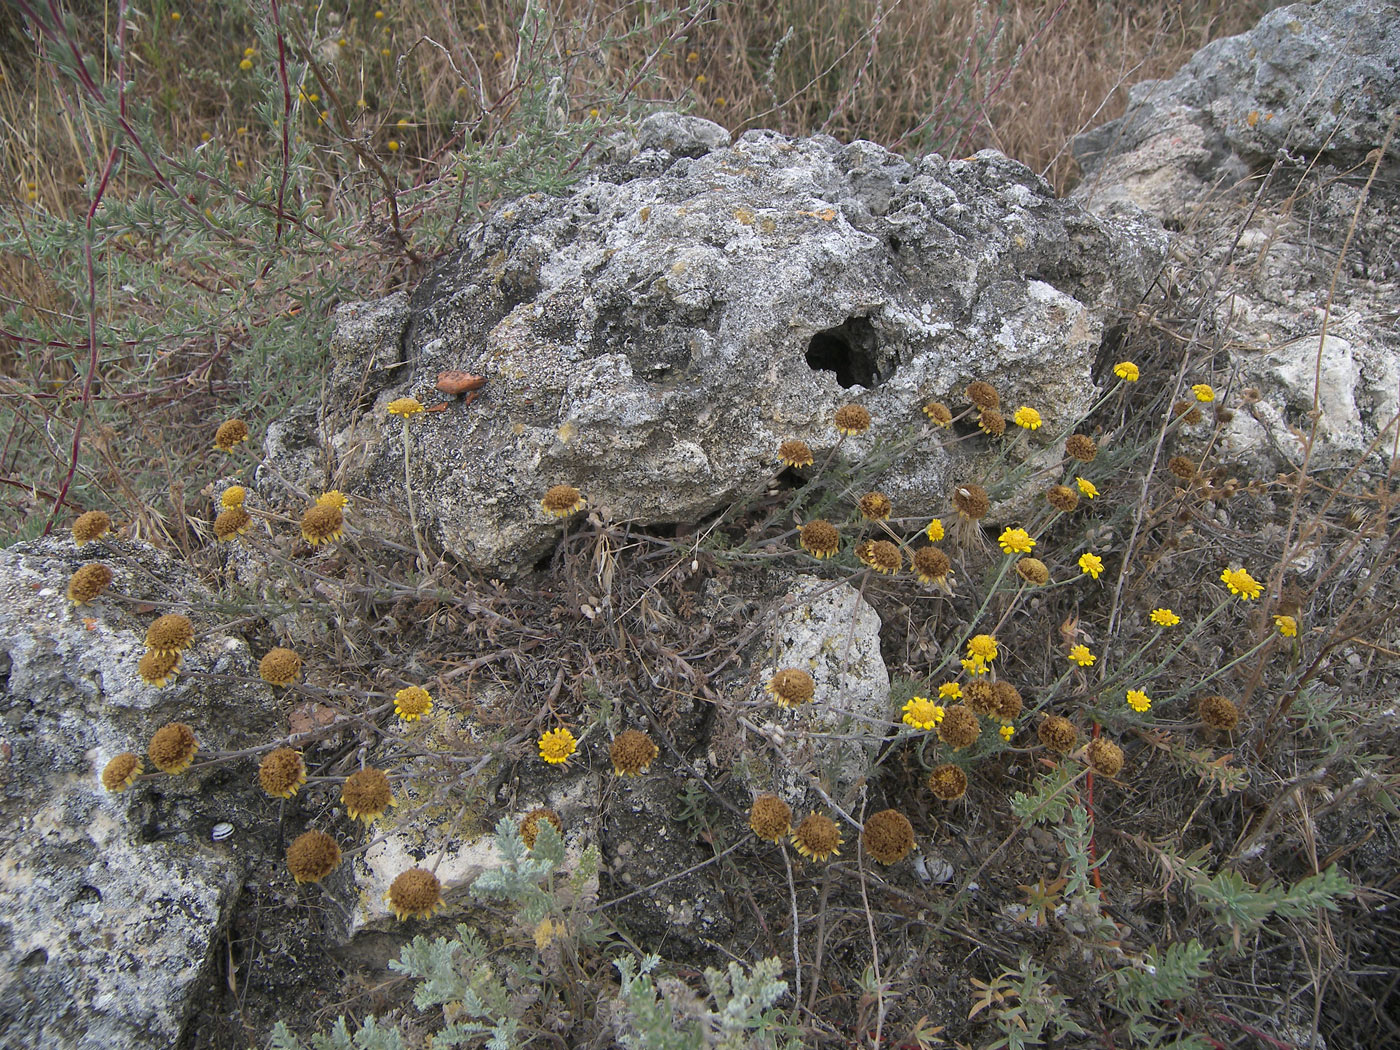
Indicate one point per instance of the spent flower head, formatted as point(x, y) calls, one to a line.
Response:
point(561, 501)
point(794, 453)
point(852, 419)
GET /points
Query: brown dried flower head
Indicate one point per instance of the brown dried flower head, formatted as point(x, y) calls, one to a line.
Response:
point(980, 696)
point(1059, 734)
point(158, 668)
point(1062, 497)
point(416, 892)
point(948, 782)
point(1182, 467)
point(282, 772)
point(992, 422)
point(1007, 702)
point(959, 728)
point(312, 856)
point(366, 794)
point(819, 538)
point(1218, 712)
point(530, 824)
point(1033, 571)
point(121, 772)
point(770, 818)
point(791, 687)
point(932, 565)
point(983, 395)
point(888, 836)
point(170, 633)
point(172, 748)
point(230, 523)
point(632, 753)
point(817, 837)
point(1188, 412)
point(231, 433)
point(88, 582)
point(852, 419)
point(562, 500)
point(91, 526)
point(280, 667)
point(322, 522)
point(938, 412)
point(794, 453)
point(880, 555)
point(1081, 447)
point(875, 506)
point(1104, 756)
point(971, 501)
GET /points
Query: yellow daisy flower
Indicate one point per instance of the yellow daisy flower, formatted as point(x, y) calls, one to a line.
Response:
point(557, 745)
point(934, 532)
point(1007, 732)
point(1138, 700)
point(1027, 417)
point(1091, 565)
point(922, 713)
point(1287, 626)
point(1242, 583)
point(1081, 655)
point(950, 691)
point(1204, 392)
point(1126, 370)
point(1016, 541)
point(1086, 488)
point(1165, 618)
point(982, 647)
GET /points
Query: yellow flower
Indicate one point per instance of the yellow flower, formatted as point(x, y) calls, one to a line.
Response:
point(950, 691)
point(922, 713)
point(1027, 417)
point(557, 745)
point(982, 647)
point(974, 665)
point(333, 498)
point(1126, 370)
point(1091, 565)
point(1242, 583)
point(1081, 655)
point(1165, 618)
point(393, 145)
point(1287, 626)
point(934, 532)
point(408, 407)
point(246, 64)
point(1007, 732)
point(1016, 541)
point(412, 703)
point(233, 496)
point(1138, 700)
point(1204, 392)
point(1086, 488)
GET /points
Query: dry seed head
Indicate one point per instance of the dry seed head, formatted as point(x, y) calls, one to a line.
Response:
point(121, 772)
point(158, 668)
point(282, 772)
point(971, 501)
point(88, 582)
point(931, 564)
point(322, 522)
point(983, 395)
point(530, 824)
point(1059, 734)
point(562, 500)
point(791, 686)
point(817, 837)
point(366, 794)
point(852, 419)
point(1033, 571)
point(959, 728)
point(948, 782)
point(1182, 467)
point(312, 856)
point(992, 422)
point(888, 836)
point(770, 817)
point(169, 633)
point(880, 555)
point(632, 753)
point(231, 433)
point(231, 522)
point(1081, 447)
point(1218, 712)
point(280, 667)
point(1188, 412)
point(172, 748)
point(416, 892)
point(1062, 497)
point(794, 453)
point(819, 538)
point(980, 696)
point(1007, 701)
point(938, 412)
point(875, 506)
point(1104, 756)
point(91, 526)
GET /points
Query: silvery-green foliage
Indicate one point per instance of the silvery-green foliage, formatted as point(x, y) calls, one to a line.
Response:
point(663, 1014)
point(369, 1036)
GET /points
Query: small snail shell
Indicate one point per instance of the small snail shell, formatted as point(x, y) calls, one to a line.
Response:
point(221, 831)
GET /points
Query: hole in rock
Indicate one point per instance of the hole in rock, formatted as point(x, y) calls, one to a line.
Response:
point(852, 351)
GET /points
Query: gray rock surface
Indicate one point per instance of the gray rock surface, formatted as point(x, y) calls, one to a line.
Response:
point(654, 336)
point(1258, 151)
point(111, 904)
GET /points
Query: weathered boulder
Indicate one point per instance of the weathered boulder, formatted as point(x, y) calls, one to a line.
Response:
point(1259, 151)
point(652, 337)
point(111, 904)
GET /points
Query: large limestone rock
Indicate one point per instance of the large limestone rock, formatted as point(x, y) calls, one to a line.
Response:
point(111, 905)
point(652, 337)
point(1258, 150)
